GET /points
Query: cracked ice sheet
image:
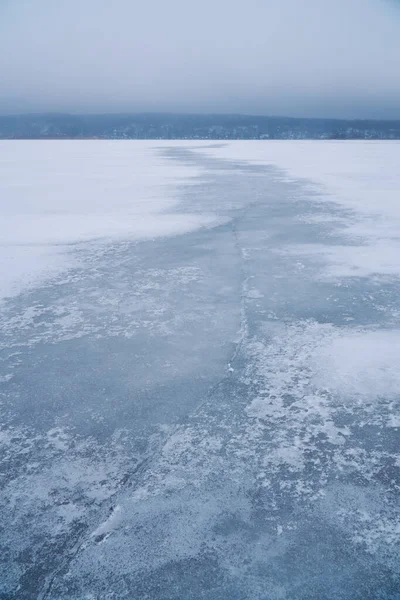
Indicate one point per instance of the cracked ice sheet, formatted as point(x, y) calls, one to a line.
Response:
point(57, 194)
point(283, 483)
point(361, 177)
point(95, 365)
point(272, 462)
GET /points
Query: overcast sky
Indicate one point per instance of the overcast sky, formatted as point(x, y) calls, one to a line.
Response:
point(334, 58)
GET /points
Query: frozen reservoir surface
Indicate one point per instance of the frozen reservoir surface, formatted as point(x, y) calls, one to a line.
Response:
point(200, 370)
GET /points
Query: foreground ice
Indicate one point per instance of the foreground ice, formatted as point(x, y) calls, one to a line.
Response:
point(212, 412)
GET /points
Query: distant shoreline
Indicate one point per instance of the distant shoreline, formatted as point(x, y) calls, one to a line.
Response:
point(162, 126)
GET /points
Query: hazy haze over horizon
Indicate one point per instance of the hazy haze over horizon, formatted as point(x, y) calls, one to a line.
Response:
point(323, 59)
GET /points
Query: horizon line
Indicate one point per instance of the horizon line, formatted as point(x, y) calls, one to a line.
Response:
point(190, 114)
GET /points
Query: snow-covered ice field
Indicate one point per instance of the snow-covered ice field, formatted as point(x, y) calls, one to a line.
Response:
point(57, 194)
point(200, 378)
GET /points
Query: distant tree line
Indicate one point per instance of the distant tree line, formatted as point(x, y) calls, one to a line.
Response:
point(191, 127)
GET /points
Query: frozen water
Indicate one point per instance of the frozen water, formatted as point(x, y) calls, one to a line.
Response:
point(206, 406)
point(360, 177)
point(59, 193)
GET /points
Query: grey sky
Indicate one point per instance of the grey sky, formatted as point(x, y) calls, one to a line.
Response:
point(296, 57)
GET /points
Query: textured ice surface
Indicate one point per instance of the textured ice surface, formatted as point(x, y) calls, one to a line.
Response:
point(213, 414)
point(362, 178)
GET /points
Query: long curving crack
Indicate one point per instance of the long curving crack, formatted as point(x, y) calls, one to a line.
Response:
point(130, 480)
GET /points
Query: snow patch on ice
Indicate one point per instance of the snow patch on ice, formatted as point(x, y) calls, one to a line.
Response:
point(110, 524)
point(380, 260)
point(359, 363)
point(54, 195)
